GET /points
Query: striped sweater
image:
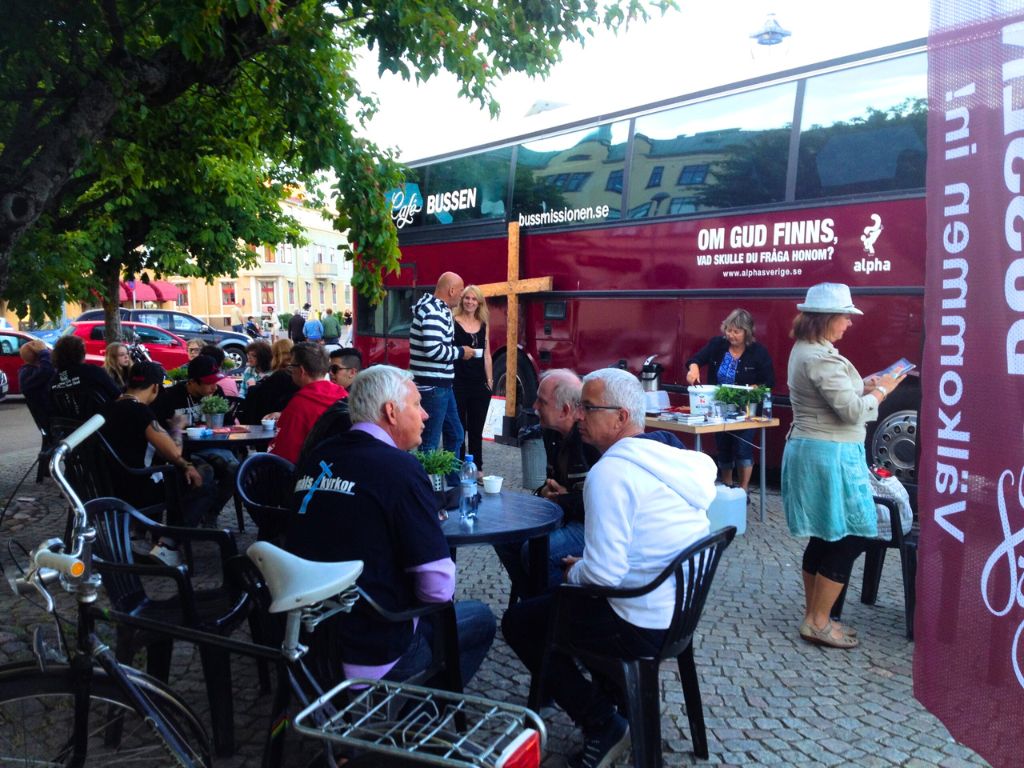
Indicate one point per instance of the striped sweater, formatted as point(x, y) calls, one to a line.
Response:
point(431, 351)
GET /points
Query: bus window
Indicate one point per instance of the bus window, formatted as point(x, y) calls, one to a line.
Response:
point(572, 178)
point(369, 319)
point(864, 130)
point(399, 309)
point(721, 153)
point(464, 189)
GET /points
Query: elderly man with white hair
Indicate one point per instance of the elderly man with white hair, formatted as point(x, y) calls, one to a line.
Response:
point(646, 501)
point(363, 496)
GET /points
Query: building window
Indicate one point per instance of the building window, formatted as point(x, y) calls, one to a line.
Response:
point(693, 174)
point(348, 295)
point(320, 285)
point(614, 181)
point(681, 205)
point(309, 293)
point(227, 293)
point(267, 292)
point(182, 298)
point(334, 294)
point(576, 181)
point(269, 255)
point(655, 179)
point(319, 254)
point(291, 294)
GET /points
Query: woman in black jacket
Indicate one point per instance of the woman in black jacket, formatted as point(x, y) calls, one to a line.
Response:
point(734, 358)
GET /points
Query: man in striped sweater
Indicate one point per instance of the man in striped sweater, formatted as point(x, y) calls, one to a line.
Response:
point(432, 355)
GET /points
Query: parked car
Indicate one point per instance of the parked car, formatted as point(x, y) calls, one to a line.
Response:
point(49, 332)
point(184, 325)
point(10, 361)
point(3, 385)
point(163, 347)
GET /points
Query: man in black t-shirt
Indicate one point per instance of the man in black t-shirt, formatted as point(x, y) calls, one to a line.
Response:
point(363, 496)
point(132, 430)
point(78, 390)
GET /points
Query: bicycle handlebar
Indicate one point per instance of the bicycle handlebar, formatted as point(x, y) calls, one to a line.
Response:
point(66, 564)
point(77, 437)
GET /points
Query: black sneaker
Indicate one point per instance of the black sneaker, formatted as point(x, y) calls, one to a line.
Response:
point(602, 747)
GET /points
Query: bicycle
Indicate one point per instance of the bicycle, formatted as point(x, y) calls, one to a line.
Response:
point(79, 706)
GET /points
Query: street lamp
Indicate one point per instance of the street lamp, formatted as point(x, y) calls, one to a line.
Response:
point(765, 39)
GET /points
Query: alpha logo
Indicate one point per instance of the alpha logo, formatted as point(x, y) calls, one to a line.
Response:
point(871, 262)
point(405, 202)
point(871, 234)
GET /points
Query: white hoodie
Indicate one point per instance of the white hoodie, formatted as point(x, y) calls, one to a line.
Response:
point(646, 502)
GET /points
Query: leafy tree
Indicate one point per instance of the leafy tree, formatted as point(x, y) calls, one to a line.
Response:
point(74, 72)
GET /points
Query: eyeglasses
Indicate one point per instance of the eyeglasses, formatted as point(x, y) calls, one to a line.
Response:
point(592, 408)
point(338, 368)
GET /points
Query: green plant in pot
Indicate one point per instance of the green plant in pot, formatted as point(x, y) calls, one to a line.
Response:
point(228, 364)
point(178, 374)
point(437, 463)
point(743, 398)
point(214, 407)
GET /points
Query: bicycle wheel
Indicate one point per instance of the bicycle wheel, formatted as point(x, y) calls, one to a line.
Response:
point(37, 715)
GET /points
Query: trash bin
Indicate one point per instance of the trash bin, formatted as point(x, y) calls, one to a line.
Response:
point(535, 461)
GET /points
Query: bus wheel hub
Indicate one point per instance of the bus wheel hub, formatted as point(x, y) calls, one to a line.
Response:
point(894, 445)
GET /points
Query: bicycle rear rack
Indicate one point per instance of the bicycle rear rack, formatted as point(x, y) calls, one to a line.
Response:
point(439, 727)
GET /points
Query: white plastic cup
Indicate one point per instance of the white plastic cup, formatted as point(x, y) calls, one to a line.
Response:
point(492, 484)
point(195, 433)
point(478, 353)
point(269, 424)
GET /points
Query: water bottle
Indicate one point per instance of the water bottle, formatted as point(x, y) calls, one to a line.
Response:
point(766, 408)
point(467, 483)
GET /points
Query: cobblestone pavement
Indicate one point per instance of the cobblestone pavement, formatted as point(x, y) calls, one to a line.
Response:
point(769, 699)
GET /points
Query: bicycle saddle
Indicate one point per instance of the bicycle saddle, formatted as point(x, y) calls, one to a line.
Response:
point(296, 583)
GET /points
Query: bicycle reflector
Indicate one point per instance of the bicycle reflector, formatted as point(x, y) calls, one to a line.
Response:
point(523, 752)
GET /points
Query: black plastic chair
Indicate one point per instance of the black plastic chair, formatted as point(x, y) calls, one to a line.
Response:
point(218, 609)
point(694, 569)
point(874, 559)
point(264, 484)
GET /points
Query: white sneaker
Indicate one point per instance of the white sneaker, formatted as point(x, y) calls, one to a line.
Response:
point(166, 555)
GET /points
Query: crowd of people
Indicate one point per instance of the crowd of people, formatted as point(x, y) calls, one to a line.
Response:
point(631, 499)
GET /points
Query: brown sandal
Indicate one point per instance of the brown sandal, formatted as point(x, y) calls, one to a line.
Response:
point(824, 637)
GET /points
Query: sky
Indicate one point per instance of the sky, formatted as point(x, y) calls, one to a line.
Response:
point(702, 45)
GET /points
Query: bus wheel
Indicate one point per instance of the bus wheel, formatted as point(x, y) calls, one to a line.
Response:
point(526, 381)
point(892, 440)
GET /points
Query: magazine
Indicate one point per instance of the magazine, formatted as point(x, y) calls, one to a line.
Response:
point(900, 368)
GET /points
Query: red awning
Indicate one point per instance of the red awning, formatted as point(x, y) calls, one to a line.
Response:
point(143, 292)
point(166, 291)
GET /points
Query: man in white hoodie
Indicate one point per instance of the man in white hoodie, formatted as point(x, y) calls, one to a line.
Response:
point(646, 501)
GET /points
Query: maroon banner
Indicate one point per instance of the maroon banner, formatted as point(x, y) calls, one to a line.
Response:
point(969, 653)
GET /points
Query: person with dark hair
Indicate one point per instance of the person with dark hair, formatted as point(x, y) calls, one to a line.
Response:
point(258, 356)
point(316, 393)
point(826, 493)
point(131, 429)
point(332, 327)
point(345, 364)
point(295, 326)
point(227, 384)
point(252, 328)
point(268, 397)
point(735, 357)
point(79, 390)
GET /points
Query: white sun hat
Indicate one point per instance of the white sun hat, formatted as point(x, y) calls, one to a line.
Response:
point(829, 298)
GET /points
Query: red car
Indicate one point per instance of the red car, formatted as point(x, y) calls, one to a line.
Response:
point(10, 361)
point(163, 347)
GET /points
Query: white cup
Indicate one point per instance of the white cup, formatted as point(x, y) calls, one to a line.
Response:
point(195, 433)
point(269, 425)
point(478, 353)
point(492, 484)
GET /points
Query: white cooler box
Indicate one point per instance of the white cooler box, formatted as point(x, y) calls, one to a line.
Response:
point(728, 508)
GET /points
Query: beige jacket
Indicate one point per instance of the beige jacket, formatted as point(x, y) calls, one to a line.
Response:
point(827, 395)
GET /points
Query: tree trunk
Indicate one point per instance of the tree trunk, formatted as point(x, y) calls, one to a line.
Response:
point(109, 273)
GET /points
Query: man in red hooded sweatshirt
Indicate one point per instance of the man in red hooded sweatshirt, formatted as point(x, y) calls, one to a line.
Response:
point(316, 394)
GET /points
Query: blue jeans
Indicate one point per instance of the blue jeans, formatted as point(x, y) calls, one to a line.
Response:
point(443, 419)
point(476, 627)
point(567, 540)
point(735, 448)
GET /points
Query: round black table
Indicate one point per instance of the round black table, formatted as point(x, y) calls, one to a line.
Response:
point(254, 437)
point(507, 517)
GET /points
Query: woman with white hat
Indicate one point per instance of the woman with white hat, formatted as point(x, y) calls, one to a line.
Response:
point(825, 489)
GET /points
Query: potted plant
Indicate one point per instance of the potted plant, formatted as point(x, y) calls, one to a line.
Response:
point(437, 463)
point(214, 407)
point(742, 397)
point(178, 374)
point(228, 364)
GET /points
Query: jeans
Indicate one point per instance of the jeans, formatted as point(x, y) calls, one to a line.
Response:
point(735, 448)
point(567, 540)
point(476, 627)
point(443, 419)
point(595, 626)
point(225, 467)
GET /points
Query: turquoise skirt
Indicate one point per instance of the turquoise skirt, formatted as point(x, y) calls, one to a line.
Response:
point(826, 491)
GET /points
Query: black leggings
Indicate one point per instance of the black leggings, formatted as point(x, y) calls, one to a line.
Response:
point(833, 559)
point(473, 414)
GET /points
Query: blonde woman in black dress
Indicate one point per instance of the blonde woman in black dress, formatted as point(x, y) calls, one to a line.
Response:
point(474, 378)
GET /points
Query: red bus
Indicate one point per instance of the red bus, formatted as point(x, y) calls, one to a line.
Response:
point(656, 222)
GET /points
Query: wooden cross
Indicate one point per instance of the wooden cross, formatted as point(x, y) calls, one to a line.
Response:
point(512, 289)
